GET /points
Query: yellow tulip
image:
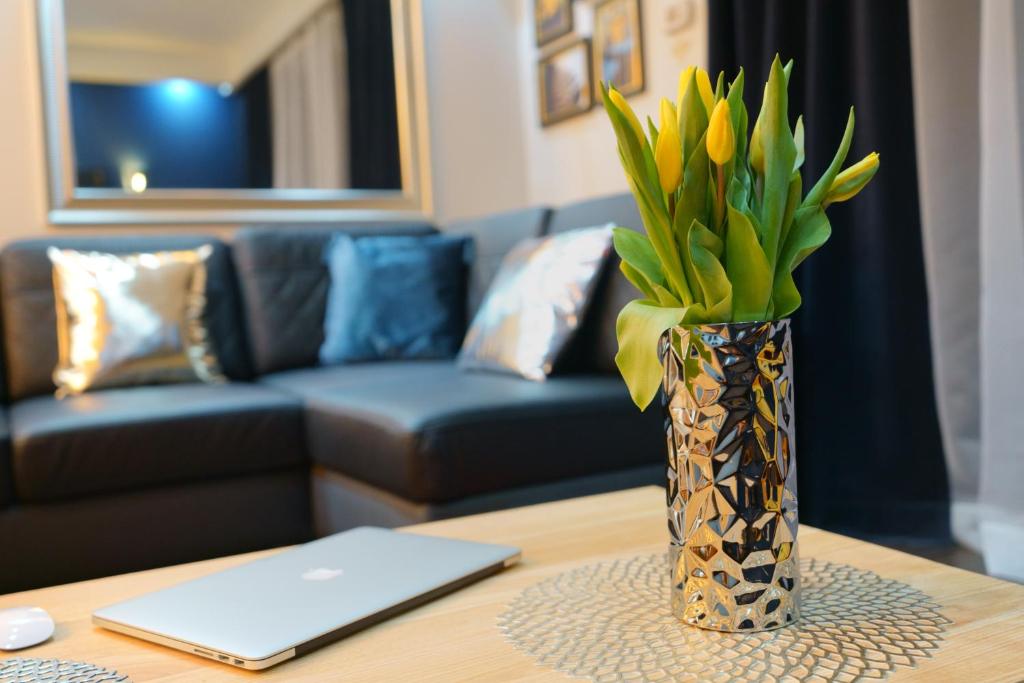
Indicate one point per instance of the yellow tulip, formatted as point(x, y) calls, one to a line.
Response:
point(706, 92)
point(756, 151)
point(668, 156)
point(707, 95)
point(853, 179)
point(620, 103)
point(721, 140)
point(684, 83)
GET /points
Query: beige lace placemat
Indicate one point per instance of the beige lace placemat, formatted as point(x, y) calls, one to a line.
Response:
point(611, 622)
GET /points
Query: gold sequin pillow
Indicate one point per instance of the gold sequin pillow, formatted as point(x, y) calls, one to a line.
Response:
point(131, 319)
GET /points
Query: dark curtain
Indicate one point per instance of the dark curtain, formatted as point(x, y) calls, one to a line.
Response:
point(373, 118)
point(259, 136)
point(869, 451)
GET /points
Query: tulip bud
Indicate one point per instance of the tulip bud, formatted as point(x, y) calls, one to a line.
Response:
point(684, 82)
point(706, 93)
point(852, 180)
point(620, 103)
point(756, 151)
point(668, 155)
point(721, 140)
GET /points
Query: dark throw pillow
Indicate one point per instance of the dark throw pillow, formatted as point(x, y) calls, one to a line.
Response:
point(394, 297)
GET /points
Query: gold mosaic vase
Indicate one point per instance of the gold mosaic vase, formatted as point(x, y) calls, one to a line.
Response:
point(732, 506)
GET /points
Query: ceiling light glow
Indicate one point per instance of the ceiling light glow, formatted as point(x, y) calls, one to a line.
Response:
point(179, 88)
point(138, 182)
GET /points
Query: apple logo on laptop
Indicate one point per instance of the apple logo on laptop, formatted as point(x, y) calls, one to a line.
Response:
point(322, 574)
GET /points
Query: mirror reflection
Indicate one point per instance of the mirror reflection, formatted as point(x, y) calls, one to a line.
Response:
point(232, 94)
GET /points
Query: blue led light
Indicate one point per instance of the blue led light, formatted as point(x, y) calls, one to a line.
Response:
point(179, 88)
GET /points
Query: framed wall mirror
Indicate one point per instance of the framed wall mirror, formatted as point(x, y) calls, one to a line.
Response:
point(234, 111)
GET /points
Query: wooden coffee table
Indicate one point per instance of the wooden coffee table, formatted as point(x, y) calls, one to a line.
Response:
point(456, 637)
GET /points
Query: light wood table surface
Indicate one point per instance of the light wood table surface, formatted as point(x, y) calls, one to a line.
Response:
point(456, 637)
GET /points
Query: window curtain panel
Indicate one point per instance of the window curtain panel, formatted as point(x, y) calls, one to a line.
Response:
point(968, 66)
point(309, 105)
point(255, 92)
point(868, 442)
point(373, 130)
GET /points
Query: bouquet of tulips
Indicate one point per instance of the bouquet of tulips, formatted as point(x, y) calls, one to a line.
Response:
point(726, 222)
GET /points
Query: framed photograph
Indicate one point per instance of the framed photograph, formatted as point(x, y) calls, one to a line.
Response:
point(564, 79)
point(618, 45)
point(553, 19)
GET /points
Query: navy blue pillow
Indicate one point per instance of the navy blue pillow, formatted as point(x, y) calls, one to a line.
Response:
point(394, 297)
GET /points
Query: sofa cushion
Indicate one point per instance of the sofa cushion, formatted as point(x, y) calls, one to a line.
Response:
point(394, 298)
point(493, 237)
point(284, 280)
point(121, 439)
point(532, 311)
point(428, 432)
point(29, 318)
point(595, 344)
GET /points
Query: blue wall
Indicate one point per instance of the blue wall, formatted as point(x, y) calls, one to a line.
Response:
point(182, 133)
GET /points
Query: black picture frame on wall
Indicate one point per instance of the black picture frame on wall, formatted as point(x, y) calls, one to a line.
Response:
point(552, 19)
point(565, 82)
point(618, 45)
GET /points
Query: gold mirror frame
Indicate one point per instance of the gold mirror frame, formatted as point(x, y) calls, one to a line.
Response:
point(72, 205)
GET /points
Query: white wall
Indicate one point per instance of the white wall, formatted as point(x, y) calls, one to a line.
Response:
point(477, 151)
point(489, 150)
point(576, 158)
point(22, 163)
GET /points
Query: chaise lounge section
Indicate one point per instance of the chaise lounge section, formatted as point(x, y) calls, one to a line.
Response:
point(124, 479)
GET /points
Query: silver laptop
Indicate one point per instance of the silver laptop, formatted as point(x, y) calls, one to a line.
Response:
point(262, 613)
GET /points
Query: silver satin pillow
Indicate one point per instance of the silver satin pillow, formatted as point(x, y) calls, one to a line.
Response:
point(535, 303)
point(131, 319)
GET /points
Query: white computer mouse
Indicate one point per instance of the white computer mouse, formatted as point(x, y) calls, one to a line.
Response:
point(22, 627)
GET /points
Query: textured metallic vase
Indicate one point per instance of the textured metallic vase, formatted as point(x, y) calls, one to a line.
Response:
point(732, 508)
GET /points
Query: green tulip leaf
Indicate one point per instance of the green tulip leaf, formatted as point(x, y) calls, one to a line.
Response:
point(652, 130)
point(738, 113)
point(713, 280)
point(748, 270)
point(639, 328)
point(792, 204)
point(635, 249)
point(666, 298)
point(786, 297)
point(810, 230)
point(693, 119)
point(779, 157)
point(706, 239)
point(692, 206)
point(820, 189)
point(660, 233)
point(637, 279)
point(736, 195)
point(635, 162)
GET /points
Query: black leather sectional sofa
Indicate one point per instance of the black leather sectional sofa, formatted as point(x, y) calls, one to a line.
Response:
point(125, 479)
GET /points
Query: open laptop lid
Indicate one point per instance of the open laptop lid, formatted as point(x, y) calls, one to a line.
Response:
point(263, 612)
